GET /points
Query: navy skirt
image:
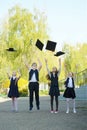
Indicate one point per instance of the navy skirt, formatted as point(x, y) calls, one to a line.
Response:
point(13, 92)
point(54, 91)
point(69, 93)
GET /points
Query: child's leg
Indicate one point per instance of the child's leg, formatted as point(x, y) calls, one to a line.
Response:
point(74, 109)
point(67, 103)
point(31, 91)
point(13, 105)
point(56, 100)
point(37, 96)
point(51, 102)
point(16, 104)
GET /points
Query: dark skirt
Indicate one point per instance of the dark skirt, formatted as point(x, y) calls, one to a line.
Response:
point(69, 93)
point(54, 91)
point(13, 92)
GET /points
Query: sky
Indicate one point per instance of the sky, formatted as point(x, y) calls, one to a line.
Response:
point(67, 19)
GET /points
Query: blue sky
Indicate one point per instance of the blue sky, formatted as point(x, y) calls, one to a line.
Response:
point(67, 19)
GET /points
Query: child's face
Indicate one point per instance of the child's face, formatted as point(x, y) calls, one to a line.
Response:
point(54, 69)
point(70, 74)
point(34, 66)
point(14, 74)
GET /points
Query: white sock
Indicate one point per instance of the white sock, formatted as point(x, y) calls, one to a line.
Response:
point(74, 108)
point(67, 103)
point(16, 105)
point(13, 106)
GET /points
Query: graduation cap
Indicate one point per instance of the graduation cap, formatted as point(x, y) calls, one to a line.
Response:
point(39, 44)
point(51, 45)
point(59, 53)
point(11, 49)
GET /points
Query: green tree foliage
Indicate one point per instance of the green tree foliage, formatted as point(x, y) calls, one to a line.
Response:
point(20, 31)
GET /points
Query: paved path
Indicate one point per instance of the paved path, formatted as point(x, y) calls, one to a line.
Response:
point(42, 119)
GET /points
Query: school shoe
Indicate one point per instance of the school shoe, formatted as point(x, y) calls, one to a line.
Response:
point(56, 112)
point(74, 110)
point(38, 108)
point(30, 108)
point(51, 111)
point(67, 111)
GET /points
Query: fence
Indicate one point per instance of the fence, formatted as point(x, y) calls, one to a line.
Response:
point(81, 78)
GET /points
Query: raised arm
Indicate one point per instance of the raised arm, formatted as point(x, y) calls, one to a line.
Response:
point(27, 66)
point(40, 65)
point(59, 66)
point(25, 62)
point(47, 67)
point(19, 73)
point(8, 75)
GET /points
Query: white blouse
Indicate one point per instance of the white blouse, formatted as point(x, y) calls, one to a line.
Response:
point(70, 83)
point(33, 78)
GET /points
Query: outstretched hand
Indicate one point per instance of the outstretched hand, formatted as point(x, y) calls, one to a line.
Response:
point(40, 64)
point(59, 60)
point(46, 61)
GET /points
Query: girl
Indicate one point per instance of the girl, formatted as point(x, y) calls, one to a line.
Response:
point(69, 91)
point(34, 83)
point(54, 86)
point(13, 90)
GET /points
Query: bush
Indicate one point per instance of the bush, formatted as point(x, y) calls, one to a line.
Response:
point(23, 92)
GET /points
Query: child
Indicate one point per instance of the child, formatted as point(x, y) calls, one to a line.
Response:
point(13, 90)
point(54, 86)
point(69, 91)
point(34, 83)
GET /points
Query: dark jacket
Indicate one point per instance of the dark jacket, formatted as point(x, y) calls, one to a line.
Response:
point(36, 74)
point(67, 81)
point(54, 80)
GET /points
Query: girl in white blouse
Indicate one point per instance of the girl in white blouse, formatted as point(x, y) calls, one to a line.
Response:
point(70, 91)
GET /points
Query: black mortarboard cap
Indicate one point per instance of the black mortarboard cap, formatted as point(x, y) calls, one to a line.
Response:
point(11, 49)
point(59, 53)
point(51, 45)
point(39, 44)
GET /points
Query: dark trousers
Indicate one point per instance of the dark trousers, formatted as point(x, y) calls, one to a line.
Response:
point(52, 100)
point(34, 87)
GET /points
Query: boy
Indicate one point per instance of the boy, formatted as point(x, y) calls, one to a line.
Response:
point(34, 83)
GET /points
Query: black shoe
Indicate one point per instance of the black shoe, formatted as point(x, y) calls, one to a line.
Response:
point(30, 108)
point(38, 108)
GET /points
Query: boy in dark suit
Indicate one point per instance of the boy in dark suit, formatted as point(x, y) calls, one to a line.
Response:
point(34, 83)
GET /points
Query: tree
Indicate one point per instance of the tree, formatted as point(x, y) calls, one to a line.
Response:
point(21, 30)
